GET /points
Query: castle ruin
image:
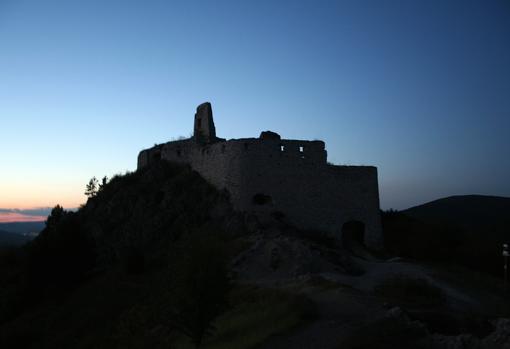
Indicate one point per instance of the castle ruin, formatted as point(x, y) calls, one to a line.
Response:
point(287, 179)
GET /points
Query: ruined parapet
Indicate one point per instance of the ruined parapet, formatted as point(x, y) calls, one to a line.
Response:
point(149, 156)
point(270, 176)
point(204, 130)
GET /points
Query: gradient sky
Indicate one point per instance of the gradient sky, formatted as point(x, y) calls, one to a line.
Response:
point(420, 89)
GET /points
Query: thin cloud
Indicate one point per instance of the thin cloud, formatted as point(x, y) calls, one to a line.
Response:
point(38, 214)
point(39, 211)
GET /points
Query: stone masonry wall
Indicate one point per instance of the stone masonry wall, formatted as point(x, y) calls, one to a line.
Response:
point(291, 175)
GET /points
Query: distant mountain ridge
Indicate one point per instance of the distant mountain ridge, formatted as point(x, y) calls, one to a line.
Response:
point(466, 230)
point(466, 211)
point(18, 233)
point(13, 239)
point(22, 227)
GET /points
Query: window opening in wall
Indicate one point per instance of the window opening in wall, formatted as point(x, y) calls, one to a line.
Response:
point(199, 123)
point(282, 147)
point(178, 152)
point(301, 152)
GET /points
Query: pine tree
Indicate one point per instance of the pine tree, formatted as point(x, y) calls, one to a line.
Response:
point(103, 183)
point(91, 187)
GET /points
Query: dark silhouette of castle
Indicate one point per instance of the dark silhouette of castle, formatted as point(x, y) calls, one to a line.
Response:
point(289, 179)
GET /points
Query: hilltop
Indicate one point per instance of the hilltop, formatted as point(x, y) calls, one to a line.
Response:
point(465, 230)
point(466, 211)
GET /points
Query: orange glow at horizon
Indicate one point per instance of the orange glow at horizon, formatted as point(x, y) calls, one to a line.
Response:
point(34, 194)
point(10, 217)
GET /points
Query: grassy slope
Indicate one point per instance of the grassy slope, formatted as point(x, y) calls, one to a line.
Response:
point(116, 310)
point(157, 212)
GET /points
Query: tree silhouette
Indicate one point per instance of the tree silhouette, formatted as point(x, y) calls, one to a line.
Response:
point(91, 187)
point(103, 183)
point(202, 295)
point(56, 215)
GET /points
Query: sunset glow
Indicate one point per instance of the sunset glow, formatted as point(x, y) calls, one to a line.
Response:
point(10, 217)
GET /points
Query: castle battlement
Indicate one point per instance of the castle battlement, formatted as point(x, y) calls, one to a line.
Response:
point(281, 177)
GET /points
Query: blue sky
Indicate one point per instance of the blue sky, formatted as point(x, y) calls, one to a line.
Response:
point(420, 89)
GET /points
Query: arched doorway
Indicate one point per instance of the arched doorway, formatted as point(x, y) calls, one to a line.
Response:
point(353, 237)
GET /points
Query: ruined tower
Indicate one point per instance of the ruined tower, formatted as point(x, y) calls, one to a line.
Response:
point(290, 180)
point(204, 130)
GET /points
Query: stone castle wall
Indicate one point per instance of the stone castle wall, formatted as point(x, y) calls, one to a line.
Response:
point(286, 177)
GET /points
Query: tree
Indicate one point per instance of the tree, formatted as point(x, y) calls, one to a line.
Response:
point(91, 188)
point(56, 215)
point(103, 183)
point(202, 291)
point(63, 253)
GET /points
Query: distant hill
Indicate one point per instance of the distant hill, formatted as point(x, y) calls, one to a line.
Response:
point(472, 212)
point(31, 228)
point(12, 239)
point(466, 230)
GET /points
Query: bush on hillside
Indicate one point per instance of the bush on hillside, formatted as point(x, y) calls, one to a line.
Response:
point(202, 288)
point(62, 254)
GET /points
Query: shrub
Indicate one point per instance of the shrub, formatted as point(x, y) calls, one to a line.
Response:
point(202, 288)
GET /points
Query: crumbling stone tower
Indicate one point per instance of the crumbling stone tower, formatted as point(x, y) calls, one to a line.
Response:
point(289, 179)
point(204, 131)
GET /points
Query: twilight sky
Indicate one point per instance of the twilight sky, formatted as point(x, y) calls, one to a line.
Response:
point(420, 89)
